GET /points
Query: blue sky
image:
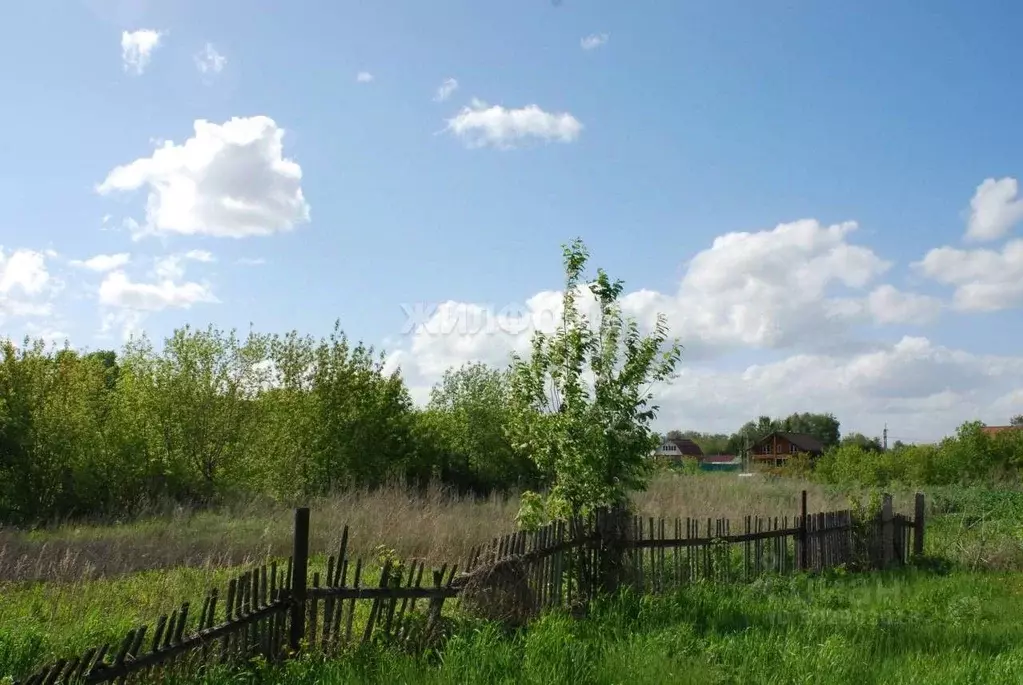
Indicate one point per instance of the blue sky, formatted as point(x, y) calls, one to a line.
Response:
point(679, 123)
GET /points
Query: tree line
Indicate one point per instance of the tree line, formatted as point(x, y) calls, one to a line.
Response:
point(823, 426)
point(211, 416)
point(970, 456)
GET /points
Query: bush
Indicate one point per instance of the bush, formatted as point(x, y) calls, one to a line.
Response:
point(970, 456)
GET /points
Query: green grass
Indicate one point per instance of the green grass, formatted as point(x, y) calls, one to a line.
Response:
point(907, 627)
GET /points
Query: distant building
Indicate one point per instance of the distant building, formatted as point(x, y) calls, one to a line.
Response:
point(721, 462)
point(995, 430)
point(675, 449)
point(778, 446)
point(680, 449)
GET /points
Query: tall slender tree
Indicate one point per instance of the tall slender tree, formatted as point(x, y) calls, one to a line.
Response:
point(581, 403)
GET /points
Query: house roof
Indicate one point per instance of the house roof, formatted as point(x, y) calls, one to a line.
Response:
point(803, 441)
point(995, 430)
point(686, 446)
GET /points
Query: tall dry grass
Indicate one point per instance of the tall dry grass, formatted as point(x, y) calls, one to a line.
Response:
point(436, 526)
point(726, 495)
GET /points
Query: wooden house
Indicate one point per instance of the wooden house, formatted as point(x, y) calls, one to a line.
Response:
point(778, 446)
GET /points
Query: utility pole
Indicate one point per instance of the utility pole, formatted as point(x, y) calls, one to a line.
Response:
point(884, 440)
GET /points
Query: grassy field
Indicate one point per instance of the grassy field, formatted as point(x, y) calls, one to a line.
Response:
point(68, 587)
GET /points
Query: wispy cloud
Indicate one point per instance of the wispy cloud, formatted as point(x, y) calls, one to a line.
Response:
point(137, 48)
point(172, 266)
point(363, 77)
point(103, 262)
point(209, 61)
point(445, 90)
point(594, 41)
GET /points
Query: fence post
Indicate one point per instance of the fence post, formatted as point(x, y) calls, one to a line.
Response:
point(611, 531)
point(887, 532)
point(804, 536)
point(918, 526)
point(299, 573)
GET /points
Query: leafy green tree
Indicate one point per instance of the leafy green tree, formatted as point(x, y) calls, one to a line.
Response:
point(850, 463)
point(107, 360)
point(473, 402)
point(193, 406)
point(580, 404)
point(30, 472)
point(869, 444)
point(750, 432)
point(971, 456)
point(364, 417)
point(52, 439)
point(824, 427)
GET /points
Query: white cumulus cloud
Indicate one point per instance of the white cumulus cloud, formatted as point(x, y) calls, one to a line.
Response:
point(227, 180)
point(137, 48)
point(27, 288)
point(798, 286)
point(479, 125)
point(887, 304)
point(803, 290)
point(994, 210)
point(984, 280)
point(23, 271)
point(923, 391)
point(119, 291)
point(445, 90)
point(363, 77)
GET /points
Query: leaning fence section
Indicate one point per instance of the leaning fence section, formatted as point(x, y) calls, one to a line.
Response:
point(515, 576)
point(281, 609)
point(250, 620)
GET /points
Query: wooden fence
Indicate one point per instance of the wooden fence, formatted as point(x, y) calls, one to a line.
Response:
point(275, 611)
